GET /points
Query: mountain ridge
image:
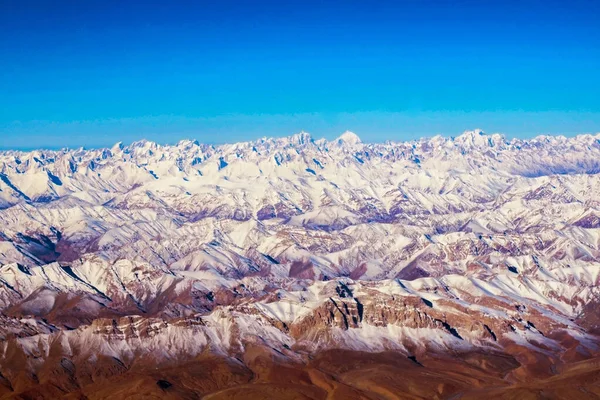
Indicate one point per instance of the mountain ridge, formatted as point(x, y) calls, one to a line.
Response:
point(309, 138)
point(294, 249)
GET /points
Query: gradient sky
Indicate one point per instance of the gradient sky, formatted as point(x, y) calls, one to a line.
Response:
point(90, 73)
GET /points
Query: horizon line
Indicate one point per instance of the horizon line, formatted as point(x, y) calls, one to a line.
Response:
point(507, 138)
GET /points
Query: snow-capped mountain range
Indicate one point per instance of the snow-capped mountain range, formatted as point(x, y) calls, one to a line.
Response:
point(429, 248)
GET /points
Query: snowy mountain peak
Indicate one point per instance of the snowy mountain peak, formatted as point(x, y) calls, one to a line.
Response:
point(144, 144)
point(478, 138)
point(471, 135)
point(348, 137)
point(117, 148)
point(187, 143)
point(301, 138)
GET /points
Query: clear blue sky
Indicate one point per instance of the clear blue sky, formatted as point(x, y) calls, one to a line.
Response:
point(90, 73)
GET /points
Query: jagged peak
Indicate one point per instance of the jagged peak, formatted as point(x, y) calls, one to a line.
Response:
point(301, 137)
point(118, 147)
point(144, 144)
point(188, 143)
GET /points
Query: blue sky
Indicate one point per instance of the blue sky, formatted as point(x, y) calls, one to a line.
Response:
point(90, 73)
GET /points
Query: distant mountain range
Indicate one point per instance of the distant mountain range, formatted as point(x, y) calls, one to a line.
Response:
point(293, 266)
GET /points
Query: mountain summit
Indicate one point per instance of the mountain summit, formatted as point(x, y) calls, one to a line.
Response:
point(348, 137)
point(478, 138)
